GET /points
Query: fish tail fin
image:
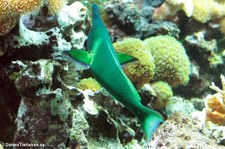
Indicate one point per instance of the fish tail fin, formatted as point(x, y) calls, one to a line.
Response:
point(149, 120)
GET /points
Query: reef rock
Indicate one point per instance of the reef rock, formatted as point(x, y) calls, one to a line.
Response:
point(137, 24)
point(178, 131)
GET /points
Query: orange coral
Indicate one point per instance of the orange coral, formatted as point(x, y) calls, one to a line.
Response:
point(215, 104)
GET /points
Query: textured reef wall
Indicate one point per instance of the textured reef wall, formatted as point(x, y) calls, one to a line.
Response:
point(49, 101)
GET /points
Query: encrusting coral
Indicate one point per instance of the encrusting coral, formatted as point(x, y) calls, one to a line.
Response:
point(215, 104)
point(172, 65)
point(171, 7)
point(10, 11)
point(163, 92)
point(212, 10)
point(222, 25)
point(142, 71)
point(88, 83)
point(55, 5)
point(201, 10)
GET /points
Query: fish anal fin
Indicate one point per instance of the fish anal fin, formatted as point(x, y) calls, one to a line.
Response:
point(124, 58)
point(80, 56)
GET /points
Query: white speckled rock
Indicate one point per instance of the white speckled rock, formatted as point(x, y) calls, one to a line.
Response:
point(69, 15)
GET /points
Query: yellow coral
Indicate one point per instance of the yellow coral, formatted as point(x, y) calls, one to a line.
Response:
point(88, 83)
point(202, 10)
point(215, 104)
point(170, 8)
point(222, 25)
point(10, 10)
point(163, 92)
point(205, 10)
point(23, 6)
point(55, 5)
point(15, 7)
point(142, 71)
point(172, 64)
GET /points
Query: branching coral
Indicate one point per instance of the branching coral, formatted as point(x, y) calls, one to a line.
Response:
point(215, 104)
point(11, 10)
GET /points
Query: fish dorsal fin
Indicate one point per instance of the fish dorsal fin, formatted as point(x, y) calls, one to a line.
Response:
point(80, 56)
point(124, 58)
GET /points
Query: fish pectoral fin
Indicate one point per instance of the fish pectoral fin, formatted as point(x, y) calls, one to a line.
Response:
point(80, 55)
point(124, 58)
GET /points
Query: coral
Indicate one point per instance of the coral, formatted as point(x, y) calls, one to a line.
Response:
point(89, 105)
point(202, 14)
point(88, 83)
point(131, 21)
point(171, 7)
point(214, 131)
point(11, 10)
point(198, 103)
point(156, 94)
point(27, 36)
point(215, 104)
point(133, 144)
point(73, 19)
point(212, 10)
point(179, 105)
point(142, 71)
point(15, 7)
point(53, 111)
point(7, 24)
point(163, 92)
point(171, 62)
point(179, 131)
point(222, 25)
point(208, 49)
point(70, 32)
point(56, 5)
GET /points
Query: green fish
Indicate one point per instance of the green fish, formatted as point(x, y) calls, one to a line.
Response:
point(105, 65)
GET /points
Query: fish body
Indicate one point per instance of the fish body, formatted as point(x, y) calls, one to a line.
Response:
point(107, 70)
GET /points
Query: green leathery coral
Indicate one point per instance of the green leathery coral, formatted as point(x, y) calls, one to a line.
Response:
point(172, 65)
point(141, 71)
point(163, 92)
